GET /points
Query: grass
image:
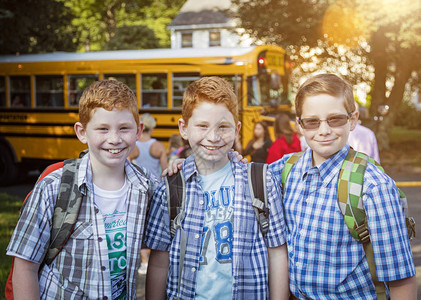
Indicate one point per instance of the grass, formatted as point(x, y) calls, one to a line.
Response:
point(9, 213)
point(404, 148)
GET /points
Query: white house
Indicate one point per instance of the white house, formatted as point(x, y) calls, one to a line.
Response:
point(204, 24)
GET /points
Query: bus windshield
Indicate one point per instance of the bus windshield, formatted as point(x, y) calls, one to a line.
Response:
point(267, 89)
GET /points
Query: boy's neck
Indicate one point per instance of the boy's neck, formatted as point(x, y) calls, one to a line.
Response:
point(108, 179)
point(206, 168)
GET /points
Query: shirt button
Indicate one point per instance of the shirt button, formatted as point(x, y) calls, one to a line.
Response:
point(105, 298)
point(201, 202)
point(193, 270)
point(308, 201)
point(96, 210)
point(103, 268)
point(298, 264)
point(100, 239)
point(196, 235)
point(302, 231)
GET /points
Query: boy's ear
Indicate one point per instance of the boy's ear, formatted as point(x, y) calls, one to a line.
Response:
point(182, 127)
point(354, 119)
point(237, 129)
point(298, 127)
point(80, 132)
point(139, 129)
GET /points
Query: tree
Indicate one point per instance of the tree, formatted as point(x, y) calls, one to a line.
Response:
point(367, 41)
point(99, 21)
point(132, 37)
point(35, 26)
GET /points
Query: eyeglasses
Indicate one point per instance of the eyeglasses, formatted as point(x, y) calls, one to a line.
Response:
point(332, 121)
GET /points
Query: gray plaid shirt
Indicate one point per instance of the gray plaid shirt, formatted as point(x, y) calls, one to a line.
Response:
point(81, 270)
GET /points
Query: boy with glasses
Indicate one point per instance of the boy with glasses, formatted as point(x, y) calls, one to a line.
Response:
point(325, 261)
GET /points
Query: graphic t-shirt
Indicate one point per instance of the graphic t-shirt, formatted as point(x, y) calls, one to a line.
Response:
point(114, 209)
point(214, 278)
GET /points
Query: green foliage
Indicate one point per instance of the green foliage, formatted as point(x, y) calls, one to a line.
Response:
point(373, 42)
point(133, 37)
point(408, 116)
point(36, 26)
point(9, 213)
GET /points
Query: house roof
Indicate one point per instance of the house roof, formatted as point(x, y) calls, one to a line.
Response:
point(196, 12)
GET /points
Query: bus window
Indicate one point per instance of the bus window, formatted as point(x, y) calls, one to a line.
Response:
point(266, 89)
point(49, 91)
point(77, 84)
point(180, 83)
point(154, 90)
point(20, 91)
point(2, 92)
point(128, 79)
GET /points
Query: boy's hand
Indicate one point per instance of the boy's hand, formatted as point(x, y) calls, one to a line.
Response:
point(239, 156)
point(173, 167)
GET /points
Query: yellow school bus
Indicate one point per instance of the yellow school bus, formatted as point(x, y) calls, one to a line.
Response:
point(39, 93)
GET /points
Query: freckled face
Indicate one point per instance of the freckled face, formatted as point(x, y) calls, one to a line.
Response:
point(110, 135)
point(211, 132)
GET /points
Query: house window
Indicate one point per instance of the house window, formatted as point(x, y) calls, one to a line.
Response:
point(214, 39)
point(187, 40)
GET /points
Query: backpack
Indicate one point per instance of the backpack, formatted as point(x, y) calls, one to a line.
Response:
point(350, 189)
point(176, 198)
point(64, 218)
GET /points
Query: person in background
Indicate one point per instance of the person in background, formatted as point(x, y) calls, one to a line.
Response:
point(364, 140)
point(259, 145)
point(174, 144)
point(287, 140)
point(152, 155)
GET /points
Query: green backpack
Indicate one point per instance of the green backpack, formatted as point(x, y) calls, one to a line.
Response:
point(351, 205)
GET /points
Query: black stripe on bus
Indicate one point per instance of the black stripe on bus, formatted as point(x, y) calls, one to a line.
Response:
point(159, 111)
point(60, 136)
point(68, 125)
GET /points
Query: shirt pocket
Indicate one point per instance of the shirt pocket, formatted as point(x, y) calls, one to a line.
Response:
point(77, 254)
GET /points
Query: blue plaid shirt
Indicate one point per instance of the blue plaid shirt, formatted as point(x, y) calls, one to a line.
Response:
point(81, 270)
point(250, 261)
point(325, 262)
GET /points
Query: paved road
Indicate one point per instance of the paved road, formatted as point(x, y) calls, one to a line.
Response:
point(403, 174)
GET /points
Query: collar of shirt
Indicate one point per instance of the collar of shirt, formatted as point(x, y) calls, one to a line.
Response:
point(328, 169)
point(189, 165)
point(85, 179)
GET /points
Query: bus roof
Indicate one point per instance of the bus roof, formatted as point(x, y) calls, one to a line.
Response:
point(126, 54)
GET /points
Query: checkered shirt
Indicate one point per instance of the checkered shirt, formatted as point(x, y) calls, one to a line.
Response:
point(249, 262)
point(325, 262)
point(81, 270)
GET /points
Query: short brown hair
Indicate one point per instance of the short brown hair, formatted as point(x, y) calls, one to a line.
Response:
point(329, 84)
point(108, 94)
point(211, 89)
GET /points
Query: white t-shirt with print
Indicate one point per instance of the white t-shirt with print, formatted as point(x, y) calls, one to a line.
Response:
point(214, 278)
point(113, 206)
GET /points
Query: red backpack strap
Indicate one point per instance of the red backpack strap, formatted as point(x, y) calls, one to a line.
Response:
point(48, 170)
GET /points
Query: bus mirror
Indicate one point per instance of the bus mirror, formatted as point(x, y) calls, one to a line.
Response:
point(275, 82)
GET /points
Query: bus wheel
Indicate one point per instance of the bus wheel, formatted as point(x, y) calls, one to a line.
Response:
point(8, 168)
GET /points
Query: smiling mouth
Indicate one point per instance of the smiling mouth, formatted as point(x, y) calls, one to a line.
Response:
point(211, 148)
point(115, 151)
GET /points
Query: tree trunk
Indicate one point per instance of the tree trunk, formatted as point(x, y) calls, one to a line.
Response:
point(395, 99)
point(380, 61)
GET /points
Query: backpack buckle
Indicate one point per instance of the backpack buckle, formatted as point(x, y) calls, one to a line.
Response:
point(363, 233)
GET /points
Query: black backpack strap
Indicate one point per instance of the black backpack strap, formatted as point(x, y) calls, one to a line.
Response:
point(176, 199)
point(176, 195)
point(66, 210)
point(257, 186)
